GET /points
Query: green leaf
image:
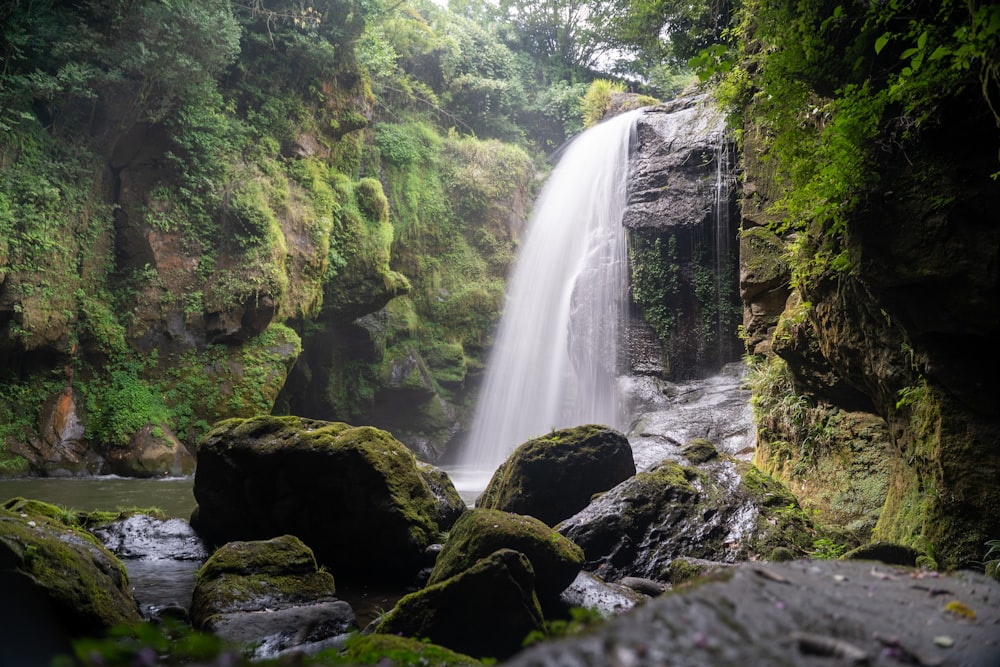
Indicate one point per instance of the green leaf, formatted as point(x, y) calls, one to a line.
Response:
point(939, 52)
point(922, 40)
point(881, 42)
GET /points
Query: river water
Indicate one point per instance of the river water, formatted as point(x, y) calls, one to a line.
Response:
point(173, 495)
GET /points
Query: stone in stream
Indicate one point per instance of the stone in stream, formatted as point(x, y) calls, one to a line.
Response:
point(723, 510)
point(62, 572)
point(554, 559)
point(353, 494)
point(554, 476)
point(486, 610)
point(271, 594)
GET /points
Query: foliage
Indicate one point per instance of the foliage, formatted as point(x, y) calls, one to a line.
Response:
point(597, 100)
point(655, 278)
point(580, 620)
point(991, 561)
point(838, 89)
point(122, 406)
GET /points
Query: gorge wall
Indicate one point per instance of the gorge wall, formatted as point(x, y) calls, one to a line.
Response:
point(872, 310)
point(181, 228)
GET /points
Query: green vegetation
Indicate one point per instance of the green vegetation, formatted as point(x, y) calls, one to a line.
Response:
point(655, 280)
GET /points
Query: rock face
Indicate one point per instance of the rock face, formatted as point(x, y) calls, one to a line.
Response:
point(672, 510)
point(486, 610)
point(555, 560)
point(354, 495)
point(680, 216)
point(810, 613)
point(270, 593)
point(554, 476)
point(63, 569)
point(906, 331)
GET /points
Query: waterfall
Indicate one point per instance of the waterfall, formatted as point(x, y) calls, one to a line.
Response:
point(556, 352)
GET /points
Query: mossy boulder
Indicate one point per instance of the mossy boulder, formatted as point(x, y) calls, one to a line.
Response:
point(79, 582)
point(353, 494)
point(450, 505)
point(486, 610)
point(554, 476)
point(725, 510)
point(151, 452)
point(478, 533)
point(885, 552)
point(375, 649)
point(268, 591)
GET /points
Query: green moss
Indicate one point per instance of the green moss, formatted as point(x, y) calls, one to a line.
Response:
point(374, 649)
point(85, 585)
point(477, 534)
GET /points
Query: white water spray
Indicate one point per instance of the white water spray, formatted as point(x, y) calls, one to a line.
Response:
point(556, 353)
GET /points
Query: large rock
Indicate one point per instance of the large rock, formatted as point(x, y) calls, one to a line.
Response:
point(151, 452)
point(555, 559)
point(269, 593)
point(354, 495)
point(59, 449)
point(63, 570)
point(805, 613)
point(681, 216)
point(485, 611)
point(725, 510)
point(554, 476)
point(450, 505)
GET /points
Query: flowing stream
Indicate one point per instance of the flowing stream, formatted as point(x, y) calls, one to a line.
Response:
point(556, 356)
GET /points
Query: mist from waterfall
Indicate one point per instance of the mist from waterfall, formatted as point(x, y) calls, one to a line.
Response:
point(556, 353)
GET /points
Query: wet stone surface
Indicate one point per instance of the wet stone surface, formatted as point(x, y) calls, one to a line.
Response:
point(801, 613)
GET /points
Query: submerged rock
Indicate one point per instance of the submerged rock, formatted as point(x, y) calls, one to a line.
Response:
point(805, 613)
point(354, 495)
point(555, 559)
point(62, 569)
point(554, 476)
point(486, 610)
point(269, 593)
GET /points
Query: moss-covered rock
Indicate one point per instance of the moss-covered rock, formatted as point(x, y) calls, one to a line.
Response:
point(554, 476)
point(353, 494)
point(375, 649)
point(554, 559)
point(82, 584)
point(151, 452)
point(486, 610)
point(699, 450)
point(724, 511)
point(450, 505)
point(268, 592)
point(885, 552)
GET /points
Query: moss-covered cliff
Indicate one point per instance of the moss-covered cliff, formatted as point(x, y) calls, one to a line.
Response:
point(192, 192)
point(870, 256)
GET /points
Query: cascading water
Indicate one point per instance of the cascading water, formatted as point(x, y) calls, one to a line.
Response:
point(556, 353)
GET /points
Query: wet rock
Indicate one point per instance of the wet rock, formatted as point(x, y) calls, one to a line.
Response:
point(151, 452)
point(161, 556)
point(504, 612)
point(554, 559)
point(144, 536)
point(648, 587)
point(450, 505)
point(60, 449)
point(554, 476)
point(64, 569)
point(353, 494)
point(608, 599)
point(725, 510)
point(269, 593)
point(806, 613)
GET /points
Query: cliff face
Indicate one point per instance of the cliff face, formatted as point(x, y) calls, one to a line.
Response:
point(680, 216)
point(190, 195)
point(906, 333)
